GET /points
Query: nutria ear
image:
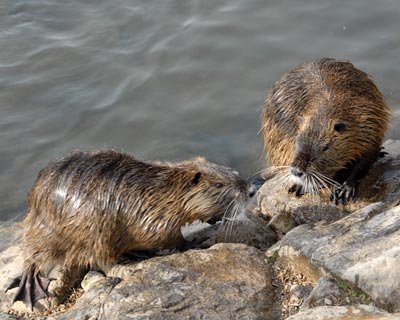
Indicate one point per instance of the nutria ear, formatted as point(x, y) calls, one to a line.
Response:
point(196, 178)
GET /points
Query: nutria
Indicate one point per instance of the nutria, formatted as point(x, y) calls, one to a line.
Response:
point(89, 208)
point(325, 120)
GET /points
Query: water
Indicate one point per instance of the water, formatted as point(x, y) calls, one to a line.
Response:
point(167, 79)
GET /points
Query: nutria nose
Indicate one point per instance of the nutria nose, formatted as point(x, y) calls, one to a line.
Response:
point(254, 185)
point(252, 192)
point(296, 172)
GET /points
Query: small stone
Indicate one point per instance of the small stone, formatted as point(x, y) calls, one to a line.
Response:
point(300, 291)
point(91, 278)
point(283, 222)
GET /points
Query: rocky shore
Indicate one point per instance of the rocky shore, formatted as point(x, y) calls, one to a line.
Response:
point(289, 259)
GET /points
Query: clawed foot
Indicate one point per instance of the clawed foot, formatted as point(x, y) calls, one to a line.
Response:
point(31, 287)
point(344, 193)
point(297, 188)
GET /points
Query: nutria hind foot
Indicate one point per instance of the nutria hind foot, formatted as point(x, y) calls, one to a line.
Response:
point(31, 287)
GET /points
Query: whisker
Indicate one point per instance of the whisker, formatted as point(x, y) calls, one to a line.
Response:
point(227, 217)
point(326, 178)
point(274, 170)
point(308, 185)
point(322, 183)
point(229, 226)
point(256, 173)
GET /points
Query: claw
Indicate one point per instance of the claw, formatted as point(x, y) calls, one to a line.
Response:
point(31, 287)
point(296, 188)
point(344, 193)
point(14, 283)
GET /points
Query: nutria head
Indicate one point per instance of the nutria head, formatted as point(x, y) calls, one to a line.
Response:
point(213, 191)
point(330, 141)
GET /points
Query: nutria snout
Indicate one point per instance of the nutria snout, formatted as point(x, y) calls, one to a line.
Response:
point(323, 122)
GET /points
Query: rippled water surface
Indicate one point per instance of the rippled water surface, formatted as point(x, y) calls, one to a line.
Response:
point(166, 79)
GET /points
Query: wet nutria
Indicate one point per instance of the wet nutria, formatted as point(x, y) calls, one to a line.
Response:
point(325, 120)
point(89, 208)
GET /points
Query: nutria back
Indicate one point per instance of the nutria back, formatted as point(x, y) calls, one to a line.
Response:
point(324, 116)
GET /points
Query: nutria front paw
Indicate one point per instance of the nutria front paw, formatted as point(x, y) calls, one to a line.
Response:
point(344, 193)
point(298, 188)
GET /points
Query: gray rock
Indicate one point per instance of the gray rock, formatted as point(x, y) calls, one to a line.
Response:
point(360, 312)
point(299, 293)
point(247, 228)
point(223, 282)
point(325, 292)
point(363, 248)
point(286, 211)
point(6, 316)
point(89, 306)
point(11, 262)
point(394, 128)
point(10, 232)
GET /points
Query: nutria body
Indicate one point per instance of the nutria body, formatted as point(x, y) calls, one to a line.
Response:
point(89, 208)
point(325, 120)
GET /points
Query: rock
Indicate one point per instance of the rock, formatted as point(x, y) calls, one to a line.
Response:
point(362, 248)
point(10, 232)
point(323, 293)
point(6, 316)
point(361, 312)
point(225, 281)
point(298, 293)
point(394, 128)
point(329, 292)
point(97, 288)
point(11, 262)
point(250, 229)
point(285, 211)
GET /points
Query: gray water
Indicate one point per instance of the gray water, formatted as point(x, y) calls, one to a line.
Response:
point(167, 79)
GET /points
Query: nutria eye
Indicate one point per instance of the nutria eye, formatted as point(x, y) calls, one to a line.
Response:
point(219, 185)
point(340, 127)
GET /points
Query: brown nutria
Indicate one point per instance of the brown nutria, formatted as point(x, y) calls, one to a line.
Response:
point(89, 208)
point(325, 120)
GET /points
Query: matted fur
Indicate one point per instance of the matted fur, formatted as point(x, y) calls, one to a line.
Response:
point(91, 207)
point(301, 110)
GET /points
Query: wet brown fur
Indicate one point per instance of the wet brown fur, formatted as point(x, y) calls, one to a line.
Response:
point(89, 208)
point(301, 110)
